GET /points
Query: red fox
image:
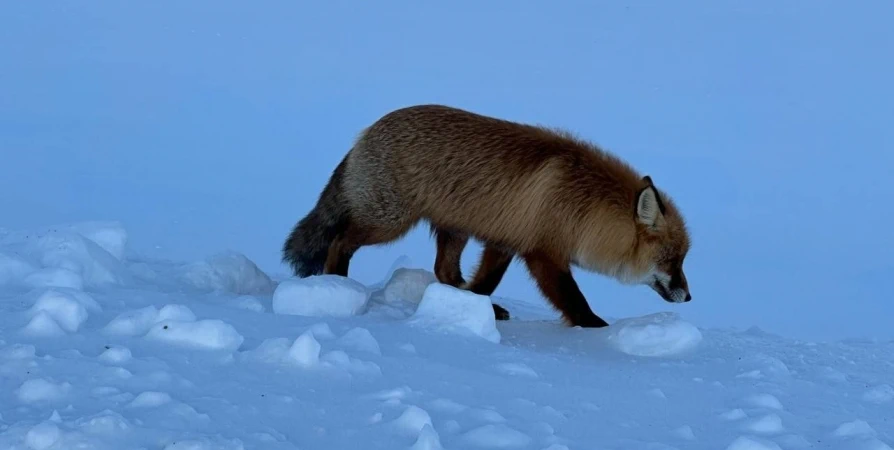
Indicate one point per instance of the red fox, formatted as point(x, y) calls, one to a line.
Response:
point(524, 191)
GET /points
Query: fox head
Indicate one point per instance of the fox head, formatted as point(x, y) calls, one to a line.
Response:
point(663, 242)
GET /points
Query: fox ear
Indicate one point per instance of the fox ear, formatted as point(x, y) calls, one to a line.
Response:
point(648, 204)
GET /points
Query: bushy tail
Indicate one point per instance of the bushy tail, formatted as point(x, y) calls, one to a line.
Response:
point(307, 246)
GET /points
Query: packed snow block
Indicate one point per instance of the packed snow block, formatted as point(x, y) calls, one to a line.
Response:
point(63, 308)
point(57, 258)
point(71, 251)
point(43, 435)
point(453, 310)
point(321, 295)
point(407, 285)
point(207, 334)
point(139, 321)
point(229, 272)
point(400, 262)
point(660, 334)
point(305, 351)
point(110, 235)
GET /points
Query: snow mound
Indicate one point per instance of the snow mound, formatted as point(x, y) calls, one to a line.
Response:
point(139, 321)
point(44, 325)
point(321, 295)
point(305, 351)
point(428, 439)
point(734, 414)
point(73, 256)
point(407, 285)
point(882, 393)
point(210, 334)
point(229, 272)
point(13, 267)
point(116, 355)
point(660, 334)
point(248, 303)
point(766, 401)
point(54, 277)
point(321, 330)
point(150, 399)
point(67, 309)
point(496, 436)
point(449, 309)
point(855, 428)
point(110, 235)
point(340, 359)
point(752, 443)
point(517, 369)
point(43, 435)
point(412, 420)
point(361, 339)
point(42, 390)
point(768, 424)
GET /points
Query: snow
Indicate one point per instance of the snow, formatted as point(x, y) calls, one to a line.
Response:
point(428, 439)
point(60, 308)
point(43, 436)
point(36, 390)
point(452, 310)
point(752, 443)
point(407, 285)
point(165, 362)
point(229, 272)
point(211, 334)
point(305, 351)
point(360, 339)
point(320, 295)
point(662, 334)
point(882, 393)
point(495, 436)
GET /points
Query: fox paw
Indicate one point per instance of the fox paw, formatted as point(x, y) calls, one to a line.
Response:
point(500, 313)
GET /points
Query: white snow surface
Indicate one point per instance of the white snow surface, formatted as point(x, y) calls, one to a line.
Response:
point(102, 350)
point(320, 295)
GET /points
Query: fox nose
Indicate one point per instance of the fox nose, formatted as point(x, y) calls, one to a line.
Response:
point(688, 297)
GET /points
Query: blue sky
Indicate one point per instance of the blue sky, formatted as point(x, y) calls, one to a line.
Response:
point(206, 126)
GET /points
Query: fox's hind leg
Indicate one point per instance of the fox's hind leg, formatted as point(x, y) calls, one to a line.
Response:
point(449, 253)
point(358, 235)
point(493, 265)
point(491, 268)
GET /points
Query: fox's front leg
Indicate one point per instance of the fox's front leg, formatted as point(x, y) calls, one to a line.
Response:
point(558, 286)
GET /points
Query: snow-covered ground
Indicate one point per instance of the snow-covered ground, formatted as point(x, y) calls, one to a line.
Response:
point(103, 349)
